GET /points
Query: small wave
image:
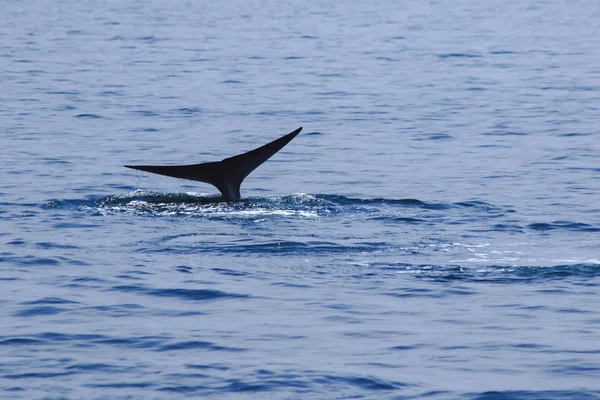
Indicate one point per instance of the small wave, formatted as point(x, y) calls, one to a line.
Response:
point(459, 55)
point(563, 225)
point(493, 274)
point(21, 342)
point(536, 395)
point(92, 367)
point(92, 116)
point(406, 203)
point(365, 383)
point(502, 52)
point(194, 345)
point(184, 294)
point(40, 311)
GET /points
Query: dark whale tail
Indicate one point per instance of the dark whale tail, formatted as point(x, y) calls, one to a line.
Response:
point(226, 175)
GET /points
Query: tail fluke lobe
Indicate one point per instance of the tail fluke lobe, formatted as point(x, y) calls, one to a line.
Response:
point(226, 175)
point(242, 165)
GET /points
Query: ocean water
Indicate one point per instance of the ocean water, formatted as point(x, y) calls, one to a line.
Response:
point(431, 234)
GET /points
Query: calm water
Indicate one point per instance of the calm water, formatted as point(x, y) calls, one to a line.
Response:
point(432, 234)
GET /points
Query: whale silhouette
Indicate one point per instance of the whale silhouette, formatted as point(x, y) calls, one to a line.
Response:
point(226, 175)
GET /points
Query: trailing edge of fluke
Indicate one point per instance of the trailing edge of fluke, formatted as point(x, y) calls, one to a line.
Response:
point(226, 175)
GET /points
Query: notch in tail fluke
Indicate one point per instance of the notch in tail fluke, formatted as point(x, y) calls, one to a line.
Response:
point(226, 175)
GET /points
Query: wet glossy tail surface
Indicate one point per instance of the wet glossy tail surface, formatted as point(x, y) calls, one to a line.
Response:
point(226, 175)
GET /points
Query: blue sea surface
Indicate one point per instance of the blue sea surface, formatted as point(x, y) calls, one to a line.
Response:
point(433, 233)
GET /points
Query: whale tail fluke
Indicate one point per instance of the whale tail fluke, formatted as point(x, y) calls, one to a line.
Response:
point(226, 175)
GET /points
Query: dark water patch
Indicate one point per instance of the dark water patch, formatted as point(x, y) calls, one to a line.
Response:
point(38, 375)
point(150, 39)
point(121, 385)
point(55, 161)
point(64, 92)
point(573, 134)
point(478, 204)
point(530, 346)
point(49, 300)
point(71, 225)
point(458, 292)
point(407, 220)
point(145, 130)
point(288, 247)
point(180, 313)
point(183, 389)
point(137, 342)
point(492, 146)
point(406, 348)
point(563, 225)
point(109, 93)
point(292, 285)
point(229, 272)
point(144, 113)
point(415, 293)
point(573, 311)
point(14, 389)
point(501, 52)
point(85, 282)
point(195, 294)
point(337, 93)
point(537, 395)
point(506, 275)
point(95, 367)
point(117, 310)
point(65, 337)
point(234, 82)
point(89, 116)
point(49, 245)
point(505, 228)
point(365, 383)
point(343, 200)
point(194, 345)
point(389, 59)
point(184, 294)
point(129, 277)
point(189, 111)
point(432, 136)
point(40, 311)
point(458, 55)
point(439, 136)
point(21, 342)
point(29, 261)
point(504, 133)
point(263, 385)
point(577, 370)
point(66, 108)
point(216, 367)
